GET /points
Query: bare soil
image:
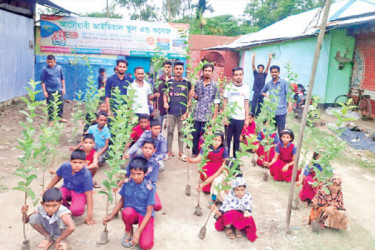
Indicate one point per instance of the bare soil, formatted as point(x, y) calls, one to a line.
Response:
point(175, 225)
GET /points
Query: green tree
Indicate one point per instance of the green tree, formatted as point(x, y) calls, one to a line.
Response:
point(262, 13)
point(143, 10)
point(227, 25)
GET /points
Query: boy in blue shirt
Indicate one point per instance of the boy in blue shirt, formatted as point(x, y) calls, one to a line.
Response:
point(51, 219)
point(159, 141)
point(137, 201)
point(77, 187)
point(148, 150)
point(101, 134)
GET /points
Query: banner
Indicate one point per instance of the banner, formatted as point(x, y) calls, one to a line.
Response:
point(86, 35)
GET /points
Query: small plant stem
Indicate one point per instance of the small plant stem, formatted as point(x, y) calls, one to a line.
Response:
point(23, 221)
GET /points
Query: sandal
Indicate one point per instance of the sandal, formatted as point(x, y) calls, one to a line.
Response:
point(45, 244)
point(229, 233)
point(183, 157)
point(63, 245)
point(126, 241)
point(238, 233)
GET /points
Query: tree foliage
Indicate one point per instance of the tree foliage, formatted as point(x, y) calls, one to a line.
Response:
point(262, 13)
point(143, 10)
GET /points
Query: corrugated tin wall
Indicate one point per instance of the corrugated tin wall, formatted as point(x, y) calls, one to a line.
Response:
point(16, 55)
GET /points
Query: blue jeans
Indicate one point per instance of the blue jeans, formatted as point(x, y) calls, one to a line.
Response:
point(256, 103)
point(280, 123)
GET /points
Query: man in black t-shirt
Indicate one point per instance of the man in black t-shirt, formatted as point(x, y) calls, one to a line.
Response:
point(176, 102)
point(259, 81)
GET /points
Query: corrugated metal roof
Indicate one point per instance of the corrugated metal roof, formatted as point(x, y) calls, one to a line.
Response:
point(342, 13)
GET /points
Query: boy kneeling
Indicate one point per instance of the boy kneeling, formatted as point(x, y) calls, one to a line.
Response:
point(51, 219)
point(77, 187)
point(137, 201)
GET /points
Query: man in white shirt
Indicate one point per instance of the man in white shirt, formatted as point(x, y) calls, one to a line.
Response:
point(236, 96)
point(143, 92)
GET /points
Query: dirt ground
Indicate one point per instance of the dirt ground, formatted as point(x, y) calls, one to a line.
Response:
point(175, 225)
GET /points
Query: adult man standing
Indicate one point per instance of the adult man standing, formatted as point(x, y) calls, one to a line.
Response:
point(53, 81)
point(120, 80)
point(177, 101)
point(279, 89)
point(159, 110)
point(236, 96)
point(259, 81)
point(142, 92)
point(206, 93)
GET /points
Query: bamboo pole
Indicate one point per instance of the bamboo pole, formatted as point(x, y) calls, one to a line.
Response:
point(306, 109)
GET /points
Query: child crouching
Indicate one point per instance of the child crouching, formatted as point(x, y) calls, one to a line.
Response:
point(77, 187)
point(51, 219)
point(137, 201)
point(235, 213)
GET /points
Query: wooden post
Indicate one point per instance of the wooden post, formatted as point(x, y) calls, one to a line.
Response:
point(306, 109)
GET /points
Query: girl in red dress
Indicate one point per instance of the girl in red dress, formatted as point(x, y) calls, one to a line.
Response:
point(217, 156)
point(308, 180)
point(91, 155)
point(281, 166)
point(250, 131)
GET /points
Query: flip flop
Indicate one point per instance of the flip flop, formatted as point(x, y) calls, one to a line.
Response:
point(238, 233)
point(97, 185)
point(183, 157)
point(229, 233)
point(45, 244)
point(126, 241)
point(63, 245)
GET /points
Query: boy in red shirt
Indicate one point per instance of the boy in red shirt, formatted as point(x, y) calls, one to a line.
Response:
point(137, 131)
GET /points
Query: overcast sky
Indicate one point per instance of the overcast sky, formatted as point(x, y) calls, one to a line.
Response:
point(221, 7)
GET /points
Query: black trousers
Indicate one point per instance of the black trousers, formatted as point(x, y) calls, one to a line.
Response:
point(51, 110)
point(199, 128)
point(234, 129)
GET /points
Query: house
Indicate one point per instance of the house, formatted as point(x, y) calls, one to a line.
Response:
point(17, 45)
point(224, 60)
point(347, 56)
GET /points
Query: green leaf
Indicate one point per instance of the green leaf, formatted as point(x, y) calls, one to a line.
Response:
point(31, 193)
point(20, 188)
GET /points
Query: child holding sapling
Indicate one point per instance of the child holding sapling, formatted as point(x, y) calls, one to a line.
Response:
point(159, 139)
point(137, 131)
point(101, 134)
point(77, 187)
point(220, 179)
point(249, 131)
point(281, 166)
point(217, 156)
point(235, 213)
point(137, 201)
point(266, 156)
point(307, 180)
point(51, 219)
point(148, 152)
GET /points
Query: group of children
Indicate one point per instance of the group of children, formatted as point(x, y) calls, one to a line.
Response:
point(147, 150)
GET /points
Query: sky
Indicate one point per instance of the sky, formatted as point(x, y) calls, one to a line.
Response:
point(221, 7)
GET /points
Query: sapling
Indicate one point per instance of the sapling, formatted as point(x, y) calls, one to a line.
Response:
point(121, 127)
point(55, 130)
point(29, 152)
point(267, 117)
point(157, 63)
point(187, 130)
point(77, 114)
